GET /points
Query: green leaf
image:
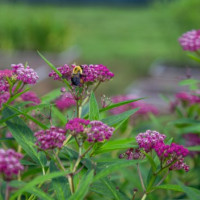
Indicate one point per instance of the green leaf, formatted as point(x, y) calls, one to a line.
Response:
point(55, 69)
point(115, 119)
point(112, 188)
point(169, 187)
point(194, 148)
point(51, 96)
point(22, 134)
point(59, 115)
point(123, 143)
point(188, 82)
point(59, 184)
point(153, 164)
point(28, 116)
point(115, 106)
point(192, 193)
point(108, 169)
point(38, 180)
point(93, 108)
point(119, 104)
point(194, 57)
point(83, 187)
point(17, 95)
point(39, 193)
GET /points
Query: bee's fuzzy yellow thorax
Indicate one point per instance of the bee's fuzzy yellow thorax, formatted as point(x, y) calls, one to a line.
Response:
point(77, 70)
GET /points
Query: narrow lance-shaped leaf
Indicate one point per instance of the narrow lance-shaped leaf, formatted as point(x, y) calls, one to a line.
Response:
point(83, 187)
point(36, 181)
point(22, 134)
point(93, 108)
point(115, 119)
point(55, 69)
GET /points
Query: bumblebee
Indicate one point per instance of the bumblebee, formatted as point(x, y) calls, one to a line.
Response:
point(77, 75)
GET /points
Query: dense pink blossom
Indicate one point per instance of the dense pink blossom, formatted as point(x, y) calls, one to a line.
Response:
point(31, 96)
point(144, 107)
point(6, 73)
point(25, 74)
point(172, 156)
point(93, 73)
point(10, 162)
point(149, 139)
point(99, 132)
point(190, 41)
point(50, 139)
point(65, 70)
point(65, 101)
point(187, 97)
point(95, 131)
point(4, 97)
point(90, 73)
point(77, 126)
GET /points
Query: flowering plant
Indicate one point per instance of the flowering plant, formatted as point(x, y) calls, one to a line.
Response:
point(64, 146)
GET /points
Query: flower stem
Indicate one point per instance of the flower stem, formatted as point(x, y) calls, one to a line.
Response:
point(141, 179)
point(144, 196)
point(7, 191)
point(164, 177)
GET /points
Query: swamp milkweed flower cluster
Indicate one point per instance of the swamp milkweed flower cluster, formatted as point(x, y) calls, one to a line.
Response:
point(95, 131)
point(10, 79)
point(50, 139)
point(90, 73)
point(171, 156)
point(190, 41)
point(10, 163)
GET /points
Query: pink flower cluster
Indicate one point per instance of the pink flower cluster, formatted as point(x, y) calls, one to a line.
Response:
point(91, 73)
point(99, 132)
point(31, 96)
point(144, 107)
point(4, 98)
point(10, 162)
point(149, 140)
point(77, 126)
point(96, 131)
point(187, 97)
point(190, 41)
point(184, 98)
point(65, 101)
point(26, 75)
point(6, 73)
point(65, 70)
point(132, 154)
point(172, 156)
point(50, 139)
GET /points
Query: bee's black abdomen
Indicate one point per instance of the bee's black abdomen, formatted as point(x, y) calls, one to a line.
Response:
point(76, 81)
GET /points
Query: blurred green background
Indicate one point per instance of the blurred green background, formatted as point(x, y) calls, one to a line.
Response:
point(128, 39)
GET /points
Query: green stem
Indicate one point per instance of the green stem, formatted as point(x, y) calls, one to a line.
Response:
point(144, 196)
point(140, 176)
